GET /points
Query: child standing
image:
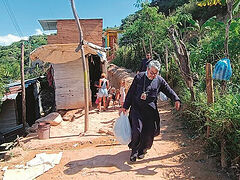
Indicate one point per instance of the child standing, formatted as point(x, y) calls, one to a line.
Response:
point(122, 92)
point(103, 91)
point(113, 96)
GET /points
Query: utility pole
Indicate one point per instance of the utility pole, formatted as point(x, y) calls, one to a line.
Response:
point(80, 47)
point(23, 89)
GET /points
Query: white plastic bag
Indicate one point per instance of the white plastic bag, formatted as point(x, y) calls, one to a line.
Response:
point(122, 129)
point(163, 97)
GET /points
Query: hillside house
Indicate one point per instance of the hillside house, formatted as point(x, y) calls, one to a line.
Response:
point(111, 40)
point(11, 108)
point(67, 65)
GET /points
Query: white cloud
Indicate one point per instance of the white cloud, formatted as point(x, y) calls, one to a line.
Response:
point(38, 32)
point(10, 38)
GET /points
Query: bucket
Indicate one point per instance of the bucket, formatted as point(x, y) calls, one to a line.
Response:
point(43, 130)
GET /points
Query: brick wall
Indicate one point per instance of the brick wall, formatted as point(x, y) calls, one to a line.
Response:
point(67, 32)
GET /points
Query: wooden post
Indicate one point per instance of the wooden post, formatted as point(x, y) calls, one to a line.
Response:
point(86, 84)
point(144, 48)
point(166, 62)
point(209, 88)
point(23, 88)
point(223, 154)
point(150, 47)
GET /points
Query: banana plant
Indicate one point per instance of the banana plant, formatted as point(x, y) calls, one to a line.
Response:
point(232, 8)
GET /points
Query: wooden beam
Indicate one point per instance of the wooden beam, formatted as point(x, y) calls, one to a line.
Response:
point(166, 61)
point(144, 48)
point(80, 47)
point(209, 84)
point(209, 89)
point(23, 89)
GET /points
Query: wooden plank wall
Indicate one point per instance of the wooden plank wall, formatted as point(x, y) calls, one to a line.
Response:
point(8, 116)
point(67, 32)
point(69, 85)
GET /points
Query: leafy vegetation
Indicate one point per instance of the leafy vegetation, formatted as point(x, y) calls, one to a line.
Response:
point(204, 37)
point(10, 58)
point(202, 29)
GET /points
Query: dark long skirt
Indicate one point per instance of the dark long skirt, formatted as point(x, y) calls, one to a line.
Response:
point(145, 124)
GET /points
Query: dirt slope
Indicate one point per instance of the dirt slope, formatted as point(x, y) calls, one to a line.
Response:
point(98, 156)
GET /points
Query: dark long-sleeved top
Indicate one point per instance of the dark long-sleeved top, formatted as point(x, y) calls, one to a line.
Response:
point(152, 89)
point(144, 64)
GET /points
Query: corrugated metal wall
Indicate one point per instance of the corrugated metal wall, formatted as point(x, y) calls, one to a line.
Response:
point(8, 118)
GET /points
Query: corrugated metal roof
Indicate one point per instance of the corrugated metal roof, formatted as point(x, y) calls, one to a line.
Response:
point(15, 87)
point(9, 96)
point(48, 24)
point(17, 83)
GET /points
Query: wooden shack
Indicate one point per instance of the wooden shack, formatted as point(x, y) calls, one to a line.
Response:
point(67, 65)
point(8, 114)
point(11, 108)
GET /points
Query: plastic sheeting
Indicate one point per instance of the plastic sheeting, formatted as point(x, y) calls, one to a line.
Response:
point(34, 168)
point(222, 70)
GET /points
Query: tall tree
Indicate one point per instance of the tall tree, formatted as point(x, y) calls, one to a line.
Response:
point(182, 59)
point(168, 6)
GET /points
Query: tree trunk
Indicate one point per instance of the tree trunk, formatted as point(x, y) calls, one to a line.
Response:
point(183, 61)
point(23, 90)
point(229, 8)
point(86, 85)
point(144, 47)
point(226, 52)
point(166, 61)
point(150, 47)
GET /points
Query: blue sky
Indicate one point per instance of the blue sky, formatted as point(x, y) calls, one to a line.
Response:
point(28, 12)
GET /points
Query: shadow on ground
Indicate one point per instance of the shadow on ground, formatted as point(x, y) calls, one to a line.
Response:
point(184, 162)
point(119, 161)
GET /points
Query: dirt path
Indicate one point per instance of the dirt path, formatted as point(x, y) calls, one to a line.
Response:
point(98, 156)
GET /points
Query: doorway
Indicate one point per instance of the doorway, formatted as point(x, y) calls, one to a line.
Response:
point(95, 70)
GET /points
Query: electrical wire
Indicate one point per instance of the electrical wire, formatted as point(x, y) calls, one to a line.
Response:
point(12, 17)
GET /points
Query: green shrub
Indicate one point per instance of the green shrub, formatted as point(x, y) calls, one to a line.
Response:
point(224, 121)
